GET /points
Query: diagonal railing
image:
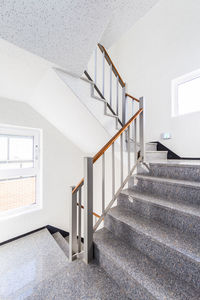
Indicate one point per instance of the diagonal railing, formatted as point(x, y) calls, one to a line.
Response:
point(82, 217)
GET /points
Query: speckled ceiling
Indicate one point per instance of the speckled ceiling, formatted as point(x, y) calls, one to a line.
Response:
point(126, 14)
point(65, 32)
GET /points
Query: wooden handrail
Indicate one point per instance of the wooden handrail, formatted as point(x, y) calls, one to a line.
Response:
point(110, 62)
point(128, 95)
point(94, 214)
point(111, 141)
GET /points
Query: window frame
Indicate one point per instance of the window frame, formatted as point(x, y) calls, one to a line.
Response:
point(174, 91)
point(35, 171)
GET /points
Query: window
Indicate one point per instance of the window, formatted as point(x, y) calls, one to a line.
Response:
point(19, 169)
point(186, 94)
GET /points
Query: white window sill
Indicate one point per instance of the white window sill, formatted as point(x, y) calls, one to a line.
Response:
point(20, 211)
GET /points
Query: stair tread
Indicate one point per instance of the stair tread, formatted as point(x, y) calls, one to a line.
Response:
point(183, 182)
point(156, 151)
point(191, 208)
point(186, 244)
point(175, 163)
point(158, 281)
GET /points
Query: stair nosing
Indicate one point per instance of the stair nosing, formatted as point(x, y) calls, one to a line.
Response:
point(193, 256)
point(169, 181)
point(137, 278)
point(175, 206)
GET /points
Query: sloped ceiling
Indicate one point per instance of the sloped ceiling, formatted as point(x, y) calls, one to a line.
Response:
point(65, 32)
point(126, 14)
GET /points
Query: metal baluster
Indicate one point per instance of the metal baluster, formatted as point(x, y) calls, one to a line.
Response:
point(129, 158)
point(132, 122)
point(88, 209)
point(95, 66)
point(79, 219)
point(111, 85)
point(103, 74)
point(113, 169)
point(103, 183)
point(124, 105)
point(121, 158)
point(135, 138)
point(141, 120)
point(117, 95)
point(73, 224)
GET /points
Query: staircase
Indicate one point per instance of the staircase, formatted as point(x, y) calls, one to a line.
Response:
point(150, 243)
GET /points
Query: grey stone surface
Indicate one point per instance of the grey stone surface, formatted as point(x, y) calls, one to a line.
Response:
point(167, 188)
point(62, 242)
point(153, 156)
point(34, 267)
point(178, 252)
point(185, 217)
point(140, 276)
point(151, 146)
point(177, 171)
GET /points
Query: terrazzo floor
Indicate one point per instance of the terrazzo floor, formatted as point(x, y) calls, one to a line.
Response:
point(34, 267)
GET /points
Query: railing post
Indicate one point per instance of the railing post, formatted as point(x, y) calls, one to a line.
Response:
point(73, 224)
point(88, 209)
point(124, 105)
point(142, 128)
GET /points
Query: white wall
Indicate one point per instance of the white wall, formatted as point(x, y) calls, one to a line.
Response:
point(162, 46)
point(62, 167)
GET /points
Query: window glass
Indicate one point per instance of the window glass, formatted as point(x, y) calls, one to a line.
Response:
point(189, 96)
point(3, 148)
point(20, 148)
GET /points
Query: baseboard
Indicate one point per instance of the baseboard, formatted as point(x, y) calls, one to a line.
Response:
point(50, 228)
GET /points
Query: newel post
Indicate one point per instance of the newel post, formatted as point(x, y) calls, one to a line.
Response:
point(88, 209)
point(142, 128)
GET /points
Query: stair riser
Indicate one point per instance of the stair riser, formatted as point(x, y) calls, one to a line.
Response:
point(131, 287)
point(155, 156)
point(182, 173)
point(172, 218)
point(169, 258)
point(181, 193)
point(151, 147)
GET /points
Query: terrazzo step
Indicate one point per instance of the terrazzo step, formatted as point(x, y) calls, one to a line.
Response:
point(172, 189)
point(169, 247)
point(137, 274)
point(182, 171)
point(151, 146)
point(178, 215)
point(62, 242)
point(152, 156)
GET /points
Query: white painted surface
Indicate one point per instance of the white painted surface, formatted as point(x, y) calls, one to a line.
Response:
point(62, 167)
point(160, 47)
point(125, 15)
point(65, 32)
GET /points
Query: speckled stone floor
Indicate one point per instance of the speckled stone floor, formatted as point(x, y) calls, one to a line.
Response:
point(35, 267)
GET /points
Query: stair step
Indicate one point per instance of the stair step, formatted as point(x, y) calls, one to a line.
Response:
point(176, 170)
point(169, 247)
point(62, 242)
point(153, 156)
point(136, 273)
point(151, 146)
point(182, 216)
point(167, 188)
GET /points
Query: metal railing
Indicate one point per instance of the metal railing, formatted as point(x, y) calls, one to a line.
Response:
point(82, 216)
point(85, 228)
point(114, 89)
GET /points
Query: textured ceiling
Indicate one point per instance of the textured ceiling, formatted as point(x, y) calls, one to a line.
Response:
point(65, 32)
point(126, 14)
